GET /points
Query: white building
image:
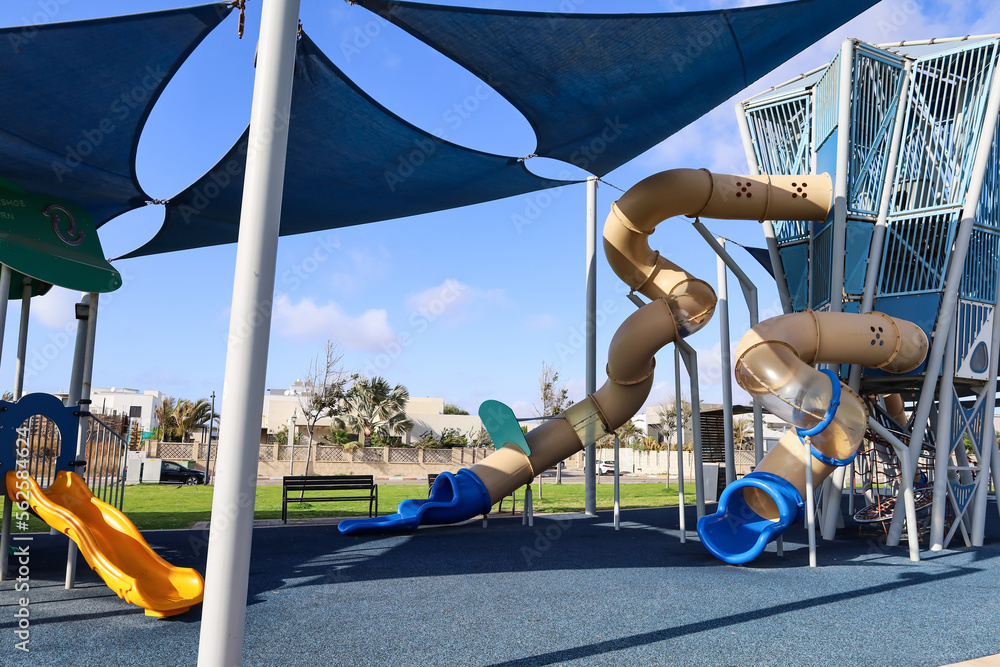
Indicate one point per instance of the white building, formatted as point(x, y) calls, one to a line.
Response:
point(139, 406)
point(427, 415)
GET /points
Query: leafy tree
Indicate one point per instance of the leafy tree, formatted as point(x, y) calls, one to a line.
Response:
point(342, 438)
point(373, 407)
point(452, 409)
point(667, 410)
point(452, 437)
point(281, 436)
point(554, 399)
point(481, 438)
point(325, 384)
point(427, 441)
point(553, 396)
point(629, 435)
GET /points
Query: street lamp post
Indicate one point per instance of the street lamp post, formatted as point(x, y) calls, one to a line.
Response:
point(211, 424)
point(291, 441)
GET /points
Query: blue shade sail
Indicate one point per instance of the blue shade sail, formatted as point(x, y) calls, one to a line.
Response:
point(75, 96)
point(350, 161)
point(599, 89)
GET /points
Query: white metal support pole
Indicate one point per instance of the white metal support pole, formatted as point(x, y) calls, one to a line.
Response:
point(840, 185)
point(953, 281)
point(989, 443)
point(78, 378)
point(7, 505)
point(690, 357)
point(22, 340)
point(750, 296)
point(291, 443)
point(906, 486)
point(616, 491)
point(810, 502)
point(942, 439)
point(679, 421)
point(725, 349)
point(79, 351)
point(527, 510)
point(882, 222)
point(4, 299)
point(834, 487)
point(877, 245)
point(590, 453)
point(768, 226)
point(228, 566)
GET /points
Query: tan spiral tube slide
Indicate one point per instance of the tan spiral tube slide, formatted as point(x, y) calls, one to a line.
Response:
point(680, 303)
point(774, 363)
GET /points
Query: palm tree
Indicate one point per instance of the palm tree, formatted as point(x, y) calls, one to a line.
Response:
point(376, 409)
point(190, 416)
point(165, 418)
point(743, 433)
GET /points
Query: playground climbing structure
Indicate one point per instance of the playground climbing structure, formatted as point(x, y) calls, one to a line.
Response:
point(909, 134)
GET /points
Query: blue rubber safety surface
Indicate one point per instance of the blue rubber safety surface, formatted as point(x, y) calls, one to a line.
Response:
point(569, 590)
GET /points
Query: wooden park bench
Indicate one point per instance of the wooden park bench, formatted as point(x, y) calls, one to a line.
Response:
point(363, 487)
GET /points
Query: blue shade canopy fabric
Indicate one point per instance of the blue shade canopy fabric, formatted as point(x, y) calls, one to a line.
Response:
point(599, 89)
point(350, 161)
point(75, 96)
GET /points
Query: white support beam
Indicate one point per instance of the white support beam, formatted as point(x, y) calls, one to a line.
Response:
point(228, 567)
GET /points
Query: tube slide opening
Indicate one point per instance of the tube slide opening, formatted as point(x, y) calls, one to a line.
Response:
point(738, 532)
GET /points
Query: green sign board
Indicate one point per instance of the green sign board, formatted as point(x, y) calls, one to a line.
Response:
point(51, 241)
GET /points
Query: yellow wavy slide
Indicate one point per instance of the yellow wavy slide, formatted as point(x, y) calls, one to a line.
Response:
point(111, 544)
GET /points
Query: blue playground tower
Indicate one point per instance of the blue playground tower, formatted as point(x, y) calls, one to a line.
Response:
point(908, 132)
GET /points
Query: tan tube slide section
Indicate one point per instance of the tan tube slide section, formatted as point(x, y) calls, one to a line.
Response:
point(774, 363)
point(680, 304)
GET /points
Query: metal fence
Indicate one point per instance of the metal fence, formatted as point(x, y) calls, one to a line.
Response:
point(105, 453)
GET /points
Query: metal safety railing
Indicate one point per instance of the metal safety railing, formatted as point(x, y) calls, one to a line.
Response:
point(105, 453)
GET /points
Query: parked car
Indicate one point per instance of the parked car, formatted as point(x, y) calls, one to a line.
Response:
point(174, 473)
point(607, 468)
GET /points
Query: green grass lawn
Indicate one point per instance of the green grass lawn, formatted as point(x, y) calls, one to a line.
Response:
point(153, 506)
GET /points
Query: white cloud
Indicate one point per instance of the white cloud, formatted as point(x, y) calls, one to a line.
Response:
point(454, 302)
point(55, 309)
point(543, 321)
point(364, 266)
point(307, 320)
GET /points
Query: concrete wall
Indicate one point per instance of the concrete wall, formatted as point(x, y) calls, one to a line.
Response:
point(273, 460)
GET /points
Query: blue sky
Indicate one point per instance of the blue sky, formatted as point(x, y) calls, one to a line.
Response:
point(463, 304)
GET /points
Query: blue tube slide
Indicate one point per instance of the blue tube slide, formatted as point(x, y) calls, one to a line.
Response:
point(453, 498)
point(735, 533)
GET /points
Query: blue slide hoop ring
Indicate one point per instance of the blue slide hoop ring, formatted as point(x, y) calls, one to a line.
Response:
point(831, 412)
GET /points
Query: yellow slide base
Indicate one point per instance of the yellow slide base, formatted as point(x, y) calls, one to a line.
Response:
point(111, 544)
